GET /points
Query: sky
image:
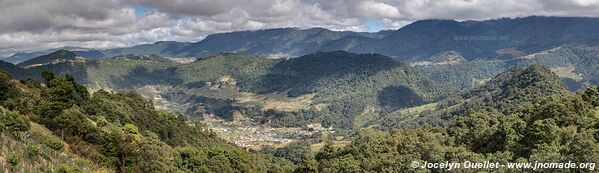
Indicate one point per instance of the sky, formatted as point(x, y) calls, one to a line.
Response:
point(29, 25)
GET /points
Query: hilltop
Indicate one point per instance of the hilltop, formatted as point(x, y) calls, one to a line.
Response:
point(512, 91)
point(60, 56)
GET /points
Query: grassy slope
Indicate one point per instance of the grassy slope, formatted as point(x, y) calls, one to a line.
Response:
point(33, 153)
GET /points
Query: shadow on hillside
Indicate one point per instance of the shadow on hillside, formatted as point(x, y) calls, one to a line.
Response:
point(571, 84)
point(141, 76)
point(308, 74)
point(392, 98)
point(196, 105)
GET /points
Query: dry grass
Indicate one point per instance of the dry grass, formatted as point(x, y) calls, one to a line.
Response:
point(370, 113)
point(278, 101)
point(567, 72)
point(418, 109)
point(34, 156)
point(315, 148)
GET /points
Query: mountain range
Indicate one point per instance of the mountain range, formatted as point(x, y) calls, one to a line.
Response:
point(474, 51)
point(310, 100)
point(374, 84)
point(490, 39)
point(370, 82)
point(368, 93)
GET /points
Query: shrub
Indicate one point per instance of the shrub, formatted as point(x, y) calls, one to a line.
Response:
point(68, 169)
point(130, 128)
point(32, 151)
point(13, 121)
point(56, 145)
point(101, 121)
point(13, 160)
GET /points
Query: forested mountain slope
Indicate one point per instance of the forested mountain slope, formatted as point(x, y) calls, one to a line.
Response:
point(13, 69)
point(521, 115)
point(512, 91)
point(504, 114)
point(119, 132)
point(575, 64)
point(372, 84)
point(459, 54)
point(490, 39)
point(540, 128)
point(346, 84)
point(288, 42)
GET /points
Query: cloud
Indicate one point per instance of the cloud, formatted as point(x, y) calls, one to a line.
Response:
point(374, 9)
point(185, 7)
point(27, 25)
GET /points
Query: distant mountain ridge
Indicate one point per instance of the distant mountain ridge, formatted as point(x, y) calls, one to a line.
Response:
point(55, 57)
point(289, 41)
point(489, 39)
point(486, 39)
point(163, 48)
point(84, 52)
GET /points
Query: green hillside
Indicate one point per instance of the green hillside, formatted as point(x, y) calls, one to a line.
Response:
point(512, 91)
point(384, 113)
point(336, 89)
point(575, 64)
point(516, 118)
point(119, 132)
point(370, 83)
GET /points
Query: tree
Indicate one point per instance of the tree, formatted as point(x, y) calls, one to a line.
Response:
point(307, 166)
point(62, 93)
point(74, 122)
point(7, 89)
point(592, 95)
point(48, 76)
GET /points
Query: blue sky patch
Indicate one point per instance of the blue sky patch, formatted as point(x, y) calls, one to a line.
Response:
point(373, 26)
point(141, 11)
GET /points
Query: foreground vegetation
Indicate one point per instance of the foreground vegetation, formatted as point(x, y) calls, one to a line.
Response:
point(109, 132)
point(523, 115)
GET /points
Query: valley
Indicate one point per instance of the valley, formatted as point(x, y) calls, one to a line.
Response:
point(309, 100)
point(236, 97)
point(247, 132)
